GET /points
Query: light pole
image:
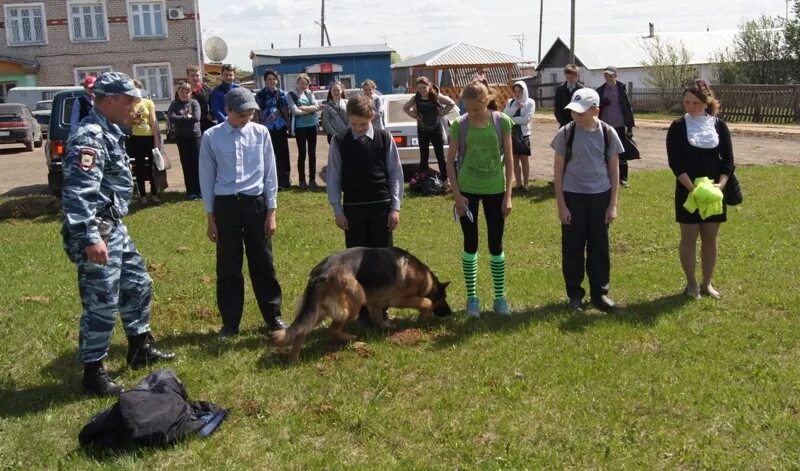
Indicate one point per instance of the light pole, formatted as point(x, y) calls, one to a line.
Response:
point(572, 34)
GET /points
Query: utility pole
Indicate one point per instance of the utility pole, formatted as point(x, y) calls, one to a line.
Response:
point(572, 34)
point(520, 39)
point(323, 30)
point(541, 15)
point(299, 40)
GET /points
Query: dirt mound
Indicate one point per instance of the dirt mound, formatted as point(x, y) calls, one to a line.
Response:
point(406, 337)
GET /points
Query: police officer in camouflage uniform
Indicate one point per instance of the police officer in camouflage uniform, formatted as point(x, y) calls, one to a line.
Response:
point(112, 276)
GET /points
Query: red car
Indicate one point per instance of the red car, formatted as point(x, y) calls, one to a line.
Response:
point(18, 125)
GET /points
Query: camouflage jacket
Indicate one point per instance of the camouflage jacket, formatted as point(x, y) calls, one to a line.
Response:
point(97, 179)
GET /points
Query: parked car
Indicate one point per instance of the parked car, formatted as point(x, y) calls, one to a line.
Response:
point(404, 131)
point(322, 95)
point(18, 126)
point(41, 111)
point(58, 132)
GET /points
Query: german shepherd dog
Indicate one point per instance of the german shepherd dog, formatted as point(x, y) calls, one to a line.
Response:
point(377, 278)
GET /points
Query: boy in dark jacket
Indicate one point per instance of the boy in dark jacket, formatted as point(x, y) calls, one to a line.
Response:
point(564, 94)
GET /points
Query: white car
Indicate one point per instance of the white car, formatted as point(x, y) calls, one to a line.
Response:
point(404, 132)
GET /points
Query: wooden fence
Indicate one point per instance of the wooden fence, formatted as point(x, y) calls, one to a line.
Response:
point(740, 103)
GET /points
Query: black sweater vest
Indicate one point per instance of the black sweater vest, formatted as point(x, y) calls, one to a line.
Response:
point(364, 175)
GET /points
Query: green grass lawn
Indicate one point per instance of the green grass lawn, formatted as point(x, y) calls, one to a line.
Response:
point(662, 384)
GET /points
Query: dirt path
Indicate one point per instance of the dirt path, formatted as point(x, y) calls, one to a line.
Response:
point(25, 173)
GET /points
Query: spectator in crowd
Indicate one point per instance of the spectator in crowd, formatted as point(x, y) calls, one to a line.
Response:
point(564, 94)
point(202, 94)
point(428, 107)
point(586, 178)
point(239, 188)
point(334, 115)
point(371, 90)
point(184, 113)
point(699, 145)
point(145, 136)
point(275, 115)
point(615, 109)
point(304, 107)
point(521, 109)
point(228, 75)
point(84, 102)
point(485, 174)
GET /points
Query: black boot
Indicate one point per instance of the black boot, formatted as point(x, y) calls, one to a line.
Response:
point(97, 382)
point(142, 351)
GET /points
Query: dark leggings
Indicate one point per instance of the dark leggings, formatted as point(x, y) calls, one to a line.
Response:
point(495, 222)
point(189, 152)
point(307, 136)
point(141, 149)
point(435, 138)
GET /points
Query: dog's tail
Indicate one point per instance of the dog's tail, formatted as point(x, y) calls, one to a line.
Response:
point(306, 318)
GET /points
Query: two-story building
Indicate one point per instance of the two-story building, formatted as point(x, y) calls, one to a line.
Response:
point(60, 42)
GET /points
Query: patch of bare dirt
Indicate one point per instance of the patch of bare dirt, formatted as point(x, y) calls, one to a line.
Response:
point(407, 337)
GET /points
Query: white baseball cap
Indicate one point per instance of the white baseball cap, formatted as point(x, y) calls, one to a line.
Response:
point(583, 99)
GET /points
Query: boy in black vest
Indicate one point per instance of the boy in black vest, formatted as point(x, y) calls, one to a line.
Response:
point(364, 181)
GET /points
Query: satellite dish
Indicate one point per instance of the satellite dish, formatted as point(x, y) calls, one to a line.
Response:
point(216, 49)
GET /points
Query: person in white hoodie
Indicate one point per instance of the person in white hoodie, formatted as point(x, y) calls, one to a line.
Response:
point(521, 109)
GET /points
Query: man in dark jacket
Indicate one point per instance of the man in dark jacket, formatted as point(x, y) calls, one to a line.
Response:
point(615, 110)
point(564, 94)
point(228, 75)
point(202, 94)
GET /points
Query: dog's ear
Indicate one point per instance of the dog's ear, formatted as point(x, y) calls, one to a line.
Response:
point(445, 284)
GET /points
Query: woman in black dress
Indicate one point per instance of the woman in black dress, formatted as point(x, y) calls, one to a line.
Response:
point(699, 145)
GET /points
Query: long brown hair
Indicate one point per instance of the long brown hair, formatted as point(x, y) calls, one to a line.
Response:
point(700, 89)
point(433, 91)
point(330, 96)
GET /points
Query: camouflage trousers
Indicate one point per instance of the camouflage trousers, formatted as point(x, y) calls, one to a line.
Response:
point(123, 285)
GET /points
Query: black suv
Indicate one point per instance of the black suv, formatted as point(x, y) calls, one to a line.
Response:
point(57, 135)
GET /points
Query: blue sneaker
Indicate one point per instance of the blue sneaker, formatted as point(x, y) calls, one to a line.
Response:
point(501, 307)
point(473, 310)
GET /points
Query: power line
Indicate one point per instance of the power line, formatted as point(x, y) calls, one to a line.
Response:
point(520, 39)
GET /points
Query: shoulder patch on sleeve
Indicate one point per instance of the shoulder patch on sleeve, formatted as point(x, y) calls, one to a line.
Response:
point(88, 157)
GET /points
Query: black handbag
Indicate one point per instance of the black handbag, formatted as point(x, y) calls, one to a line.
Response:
point(520, 144)
point(733, 191)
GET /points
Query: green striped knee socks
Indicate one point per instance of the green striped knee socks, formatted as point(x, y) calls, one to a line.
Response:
point(469, 261)
point(498, 263)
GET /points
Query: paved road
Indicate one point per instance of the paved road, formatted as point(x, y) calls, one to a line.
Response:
point(25, 173)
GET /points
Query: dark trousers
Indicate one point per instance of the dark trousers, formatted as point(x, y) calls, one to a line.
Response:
point(280, 144)
point(623, 164)
point(141, 149)
point(495, 222)
point(189, 152)
point(588, 233)
point(367, 225)
point(241, 218)
point(306, 140)
point(427, 138)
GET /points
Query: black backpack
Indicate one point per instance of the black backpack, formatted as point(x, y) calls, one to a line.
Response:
point(154, 412)
point(427, 183)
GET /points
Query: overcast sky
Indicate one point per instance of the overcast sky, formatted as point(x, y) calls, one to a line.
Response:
point(413, 28)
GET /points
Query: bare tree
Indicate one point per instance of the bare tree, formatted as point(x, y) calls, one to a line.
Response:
point(667, 68)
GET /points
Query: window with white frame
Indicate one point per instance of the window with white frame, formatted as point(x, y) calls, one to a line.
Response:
point(88, 21)
point(156, 78)
point(25, 24)
point(82, 72)
point(147, 19)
